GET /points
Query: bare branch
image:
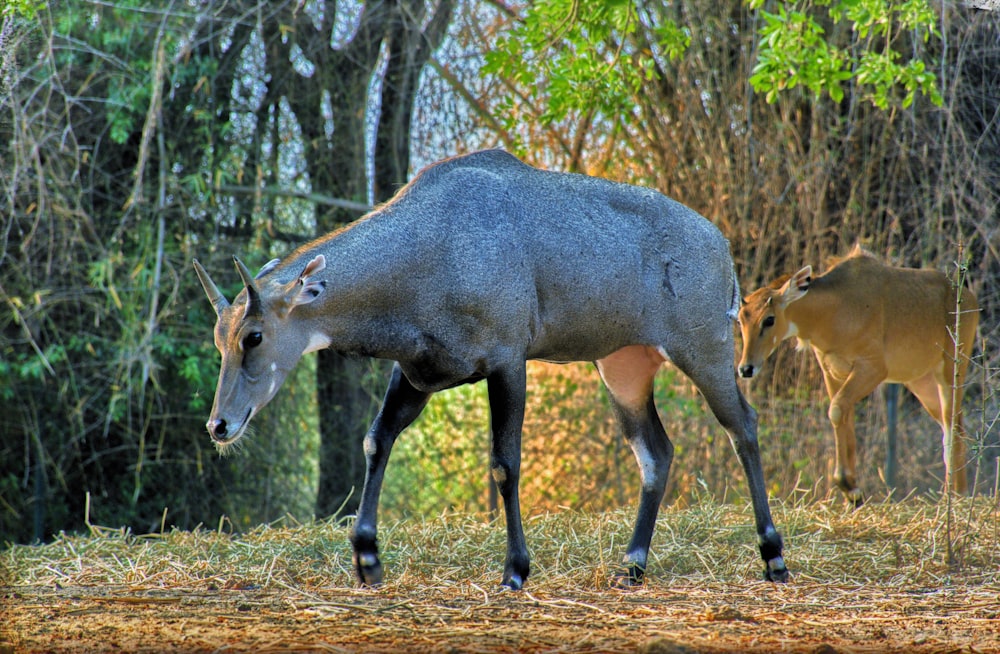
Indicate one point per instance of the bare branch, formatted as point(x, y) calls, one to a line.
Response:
point(316, 198)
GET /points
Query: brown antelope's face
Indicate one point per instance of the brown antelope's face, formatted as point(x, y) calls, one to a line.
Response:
point(763, 323)
point(260, 341)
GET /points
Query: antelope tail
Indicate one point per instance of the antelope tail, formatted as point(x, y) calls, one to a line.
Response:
point(734, 306)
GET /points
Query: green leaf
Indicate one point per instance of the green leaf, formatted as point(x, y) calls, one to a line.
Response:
point(794, 50)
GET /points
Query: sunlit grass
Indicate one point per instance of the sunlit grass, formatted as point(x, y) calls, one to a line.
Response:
point(885, 543)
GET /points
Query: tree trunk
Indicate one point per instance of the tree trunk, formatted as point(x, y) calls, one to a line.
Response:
point(345, 410)
point(336, 164)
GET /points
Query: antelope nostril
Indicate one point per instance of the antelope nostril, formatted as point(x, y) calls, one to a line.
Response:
point(746, 371)
point(217, 428)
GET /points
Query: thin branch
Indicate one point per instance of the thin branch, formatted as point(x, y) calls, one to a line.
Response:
point(274, 191)
point(19, 319)
point(503, 8)
point(150, 123)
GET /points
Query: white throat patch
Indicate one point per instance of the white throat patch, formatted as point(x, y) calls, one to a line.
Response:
point(317, 341)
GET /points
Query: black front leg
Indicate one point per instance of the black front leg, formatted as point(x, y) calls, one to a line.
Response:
point(506, 393)
point(768, 538)
point(400, 407)
point(740, 420)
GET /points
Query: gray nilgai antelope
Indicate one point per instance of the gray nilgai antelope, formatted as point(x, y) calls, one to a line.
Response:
point(480, 263)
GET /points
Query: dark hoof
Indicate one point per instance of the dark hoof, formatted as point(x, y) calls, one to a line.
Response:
point(369, 568)
point(855, 498)
point(513, 582)
point(625, 581)
point(776, 571)
point(515, 571)
point(631, 577)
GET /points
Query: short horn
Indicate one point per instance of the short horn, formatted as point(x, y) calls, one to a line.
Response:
point(217, 299)
point(253, 295)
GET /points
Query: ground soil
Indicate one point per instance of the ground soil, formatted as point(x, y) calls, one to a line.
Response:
point(662, 618)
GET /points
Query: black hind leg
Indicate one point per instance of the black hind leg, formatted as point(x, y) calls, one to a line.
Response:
point(628, 375)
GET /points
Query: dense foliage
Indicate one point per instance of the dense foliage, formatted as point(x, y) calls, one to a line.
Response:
point(117, 141)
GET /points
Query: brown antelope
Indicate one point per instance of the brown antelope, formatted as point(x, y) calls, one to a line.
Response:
point(868, 323)
point(477, 265)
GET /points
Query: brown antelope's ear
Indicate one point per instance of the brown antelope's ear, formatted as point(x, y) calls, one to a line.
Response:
point(797, 286)
point(307, 287)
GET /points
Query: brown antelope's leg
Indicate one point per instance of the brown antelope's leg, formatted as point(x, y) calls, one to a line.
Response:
point(400, 407)
point(845, 441)
point(935, 395)
point(712, 372)
point(926, 390)
point(953, 439)
point(957, 457)
point(628, 375)
point(506, 389)
point(951, 405)
point(861, 382)
point(968, 328)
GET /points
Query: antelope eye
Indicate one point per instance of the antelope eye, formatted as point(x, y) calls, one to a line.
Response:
point(252, 340)
point(768, 322)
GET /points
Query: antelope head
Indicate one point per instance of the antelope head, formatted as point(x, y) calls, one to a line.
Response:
point(261, 336)
point(763, 322)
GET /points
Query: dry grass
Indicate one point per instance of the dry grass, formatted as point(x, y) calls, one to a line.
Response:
point(877, 579)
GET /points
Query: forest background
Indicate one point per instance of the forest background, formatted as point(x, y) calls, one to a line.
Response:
point(135, 136)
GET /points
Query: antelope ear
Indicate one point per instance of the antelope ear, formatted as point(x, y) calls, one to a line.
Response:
point(307, 287)
point(797, 285)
